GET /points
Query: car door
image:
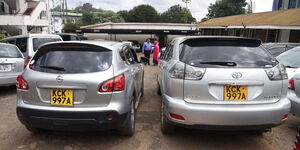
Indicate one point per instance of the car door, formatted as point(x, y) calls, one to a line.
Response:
point(164, 65)
point(135, 69)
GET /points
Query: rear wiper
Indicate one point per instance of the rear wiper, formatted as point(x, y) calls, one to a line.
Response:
point(219, 63)
point(53, 67)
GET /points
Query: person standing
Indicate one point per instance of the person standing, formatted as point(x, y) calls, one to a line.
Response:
point(155, 53)
point(147, 48)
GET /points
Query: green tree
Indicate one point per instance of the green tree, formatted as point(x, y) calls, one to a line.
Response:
point(2, 36)
point(107, 16)
point(143, 13)
point(177, 14)
point(86, 7)
point(70, 25)
point(88, 18)
point(124, 14)
point(226, 8)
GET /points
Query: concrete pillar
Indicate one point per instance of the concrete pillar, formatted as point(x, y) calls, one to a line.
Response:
point(284, 36)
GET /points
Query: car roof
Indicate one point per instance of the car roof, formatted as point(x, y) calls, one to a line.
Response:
point(185, 38)
point(32, 35)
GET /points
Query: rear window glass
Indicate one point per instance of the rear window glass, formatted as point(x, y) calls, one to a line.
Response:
point(7, 51)
point(216, 54)
point(72, 60)
point(37, 42)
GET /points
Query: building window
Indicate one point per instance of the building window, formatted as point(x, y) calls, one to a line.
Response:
point(298, 4)
point(43, 15)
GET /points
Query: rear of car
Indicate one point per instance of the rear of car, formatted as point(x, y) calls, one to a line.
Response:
point(75, 86)
point(294, 94)
point(222, 83)
point(11, 64)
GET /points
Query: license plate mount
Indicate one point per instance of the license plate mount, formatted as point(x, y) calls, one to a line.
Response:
point(235, 93)
point(61, 97)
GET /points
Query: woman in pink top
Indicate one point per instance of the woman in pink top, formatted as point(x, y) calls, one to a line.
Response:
point(155, 53)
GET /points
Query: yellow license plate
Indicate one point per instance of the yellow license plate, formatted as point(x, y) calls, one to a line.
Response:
point(61, 97)
point(235, 92)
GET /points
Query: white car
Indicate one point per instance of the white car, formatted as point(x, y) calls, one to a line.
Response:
point(29, 44)
point(290, 59)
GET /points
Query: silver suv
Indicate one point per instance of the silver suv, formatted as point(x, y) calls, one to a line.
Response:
point(81, 86)
point(226, 83)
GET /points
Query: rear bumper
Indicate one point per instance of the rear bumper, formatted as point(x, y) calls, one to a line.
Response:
point(7, 80)
point(70, 120)
point(295, 101)
point(222, 116)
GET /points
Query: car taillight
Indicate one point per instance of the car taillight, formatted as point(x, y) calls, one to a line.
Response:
point(185, 71)
point(292, 84)
point(115, 84)
point(277, 73)
point(22, 83)
point(26, 61)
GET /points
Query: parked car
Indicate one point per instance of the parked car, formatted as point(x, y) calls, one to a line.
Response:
point(226, 83)
point(71, 37)
point(294, 94)
point(11, 64)
point(290, 59)
point(277, 48)
point(28, 44)
point(93, 85)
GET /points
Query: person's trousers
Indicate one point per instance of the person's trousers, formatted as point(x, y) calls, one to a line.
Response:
point(147, 55)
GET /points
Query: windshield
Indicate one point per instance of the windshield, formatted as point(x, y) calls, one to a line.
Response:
point(226, 56)
point(72, 60)
point(7, 51)
point(37, 42)
point(290, 58)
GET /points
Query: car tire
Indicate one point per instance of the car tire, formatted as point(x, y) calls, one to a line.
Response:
point(165, 126)
point(129, 124)
point(142, 89)
point(158, 89)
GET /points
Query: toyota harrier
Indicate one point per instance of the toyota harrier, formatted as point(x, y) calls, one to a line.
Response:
point(227, 83)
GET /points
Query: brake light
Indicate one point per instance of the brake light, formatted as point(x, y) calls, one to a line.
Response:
point(286, 116)
point(292, 84)
point(185, 71)
point(22, 83)
point(26, 61)
point(115, 84)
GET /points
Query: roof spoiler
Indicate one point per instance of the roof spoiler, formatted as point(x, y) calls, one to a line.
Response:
point(222, 41)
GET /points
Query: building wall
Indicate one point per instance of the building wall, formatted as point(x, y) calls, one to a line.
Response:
point(285, 4)
point(58, 23)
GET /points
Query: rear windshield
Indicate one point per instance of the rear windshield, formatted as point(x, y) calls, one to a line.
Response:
point(37, 42)
point(72, 60)
point(7, 51)
point(219, 54)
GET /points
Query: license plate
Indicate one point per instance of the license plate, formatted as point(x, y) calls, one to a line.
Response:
point(5, 67)
point(235, 92)
point(61, 97)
